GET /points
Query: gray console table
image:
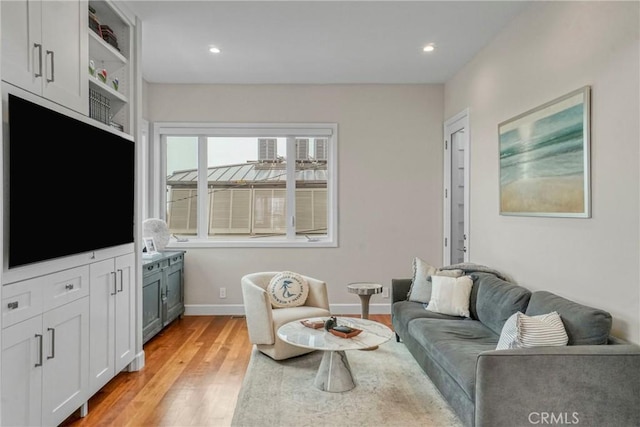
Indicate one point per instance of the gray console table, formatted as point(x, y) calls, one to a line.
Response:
point(162, 291)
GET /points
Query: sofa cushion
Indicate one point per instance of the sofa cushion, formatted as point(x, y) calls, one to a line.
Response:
point(421, 282)
point(584, 325)
point(522, 331)
point(287, 289)
point(420, 290)
point(497, 300)
point(450, 295)
point(455, 345)
point(402, 312)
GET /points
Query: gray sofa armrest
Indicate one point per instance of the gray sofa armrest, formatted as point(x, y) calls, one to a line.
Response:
point(587, 385)
point(399, 289)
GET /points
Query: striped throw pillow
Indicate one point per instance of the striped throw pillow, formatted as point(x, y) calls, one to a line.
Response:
point(522, 331)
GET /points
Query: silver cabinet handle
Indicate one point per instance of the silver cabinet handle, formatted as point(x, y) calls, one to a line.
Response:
point(53, 343)
point(12, 305)
point(68, 286)
point(121, 280)
point(39, 47)
point(115, 285)
point(40, 360)
point(53, 74)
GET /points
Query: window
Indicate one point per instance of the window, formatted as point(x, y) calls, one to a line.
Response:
point(235, 185)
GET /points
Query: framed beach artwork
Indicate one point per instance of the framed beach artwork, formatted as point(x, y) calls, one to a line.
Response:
point(544, 159)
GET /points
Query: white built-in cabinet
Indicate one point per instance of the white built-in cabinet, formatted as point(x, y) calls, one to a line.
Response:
point(45, 348)
point(64, 336)
point(67, 326)
point(45, 49)
point(112, 303)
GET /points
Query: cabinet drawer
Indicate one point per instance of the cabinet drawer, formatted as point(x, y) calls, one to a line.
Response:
point(176, 258)
point(65, 286)
point(153, 267)
point(21, 301)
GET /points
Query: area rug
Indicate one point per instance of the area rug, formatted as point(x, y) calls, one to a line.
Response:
point(391, 390)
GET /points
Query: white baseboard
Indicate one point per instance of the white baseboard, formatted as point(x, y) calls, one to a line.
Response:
point(137, 363)
point(238, 309)
point(214, 310)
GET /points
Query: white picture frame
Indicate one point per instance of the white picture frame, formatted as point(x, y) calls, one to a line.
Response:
point(150, 245)
point(545, 159)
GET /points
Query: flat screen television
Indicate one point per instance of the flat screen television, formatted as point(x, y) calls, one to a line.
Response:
point(70, 184)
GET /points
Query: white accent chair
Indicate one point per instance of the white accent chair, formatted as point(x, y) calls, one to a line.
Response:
point(263, 320)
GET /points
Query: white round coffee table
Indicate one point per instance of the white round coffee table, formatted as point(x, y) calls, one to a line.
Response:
point(334, 374)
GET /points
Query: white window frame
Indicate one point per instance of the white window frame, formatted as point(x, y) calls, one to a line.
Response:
point(158, 157)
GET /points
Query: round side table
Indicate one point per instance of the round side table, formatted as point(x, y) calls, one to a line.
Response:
point(364, 290)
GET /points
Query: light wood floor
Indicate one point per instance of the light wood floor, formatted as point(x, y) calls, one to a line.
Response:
point(193, 372)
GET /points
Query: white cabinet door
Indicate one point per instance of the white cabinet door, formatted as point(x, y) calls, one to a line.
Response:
point(22, 373)
point(65, 26)
point(65, 379)
point(102, 292)
point(125, 339)
point(22, 44)
point(45, 49)
point(112, 319)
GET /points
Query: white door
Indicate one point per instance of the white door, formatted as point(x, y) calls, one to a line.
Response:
point(456, 189)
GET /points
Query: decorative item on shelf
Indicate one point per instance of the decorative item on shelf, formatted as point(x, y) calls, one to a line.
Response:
point(92, 68)
point(99, 106)
point(107, 35)
point(94, 24)
point(115, 82)
point(102, 75)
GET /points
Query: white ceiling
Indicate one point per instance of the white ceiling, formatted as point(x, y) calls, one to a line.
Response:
point(314, 42)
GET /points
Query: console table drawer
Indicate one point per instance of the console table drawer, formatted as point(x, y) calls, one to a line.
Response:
point(176, 259)
point(152, 267)
point(65, 286)
point(21, 301)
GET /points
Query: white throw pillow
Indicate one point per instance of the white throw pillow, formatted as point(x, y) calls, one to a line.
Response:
point(287, 289)
point(450, 295)
point(522, 331)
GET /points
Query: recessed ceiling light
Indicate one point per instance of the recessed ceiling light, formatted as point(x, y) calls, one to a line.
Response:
point(214, 49)
point(429, 48)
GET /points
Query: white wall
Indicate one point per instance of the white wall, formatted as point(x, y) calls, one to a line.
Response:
point(549, 50)
point(390, 182)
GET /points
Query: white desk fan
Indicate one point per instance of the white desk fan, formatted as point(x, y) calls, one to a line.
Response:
point(156, 228)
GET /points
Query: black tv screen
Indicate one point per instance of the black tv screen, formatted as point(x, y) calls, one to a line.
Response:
point(71, 185)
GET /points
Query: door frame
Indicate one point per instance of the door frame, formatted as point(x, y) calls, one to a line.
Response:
point(451, 126)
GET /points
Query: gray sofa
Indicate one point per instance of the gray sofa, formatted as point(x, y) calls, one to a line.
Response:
point(593, 381)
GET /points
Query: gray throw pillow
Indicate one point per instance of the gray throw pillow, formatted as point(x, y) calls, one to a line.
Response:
point(420, 290)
